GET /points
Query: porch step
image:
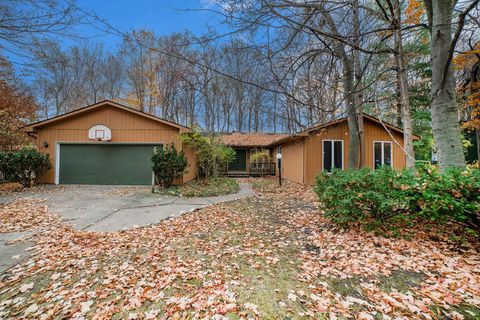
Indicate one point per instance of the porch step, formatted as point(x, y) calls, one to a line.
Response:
point(245, 174)
point(238, 174)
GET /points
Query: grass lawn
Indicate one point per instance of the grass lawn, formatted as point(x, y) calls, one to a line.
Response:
point(271, 256)
point(210, 188)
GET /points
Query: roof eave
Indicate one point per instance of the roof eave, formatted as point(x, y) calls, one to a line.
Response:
point(247, 146)
point(27, 129)
point(31, 127)
point(297, 136)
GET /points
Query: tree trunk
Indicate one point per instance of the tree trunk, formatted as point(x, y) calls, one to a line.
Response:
point(445, 124)
point(352, 117)
point(274, 113)
point(398, 106)
point(403, 88)
point(349, 94)
point(358, 84)
point(477, 133)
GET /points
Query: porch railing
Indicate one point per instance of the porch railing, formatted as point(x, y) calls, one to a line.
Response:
point(254, 169)
point(263, 168)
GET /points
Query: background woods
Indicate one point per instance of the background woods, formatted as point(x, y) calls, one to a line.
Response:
point(281, 67)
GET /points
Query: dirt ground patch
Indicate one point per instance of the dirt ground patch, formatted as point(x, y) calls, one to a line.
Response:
point(271, 256)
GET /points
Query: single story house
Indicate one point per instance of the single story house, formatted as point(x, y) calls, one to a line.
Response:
point(106, 143)
point(246, 144)
point(324, 147)
point(110, 143)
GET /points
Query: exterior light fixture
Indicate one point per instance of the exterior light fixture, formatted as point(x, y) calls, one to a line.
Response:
point(45, 144)
point(279, 162)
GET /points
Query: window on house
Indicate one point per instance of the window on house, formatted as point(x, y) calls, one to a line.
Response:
point(382, 153)
point(332, 154)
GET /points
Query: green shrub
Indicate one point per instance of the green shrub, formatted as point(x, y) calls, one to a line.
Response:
point(386, 195)
point(168, 164)
point(7, 168)
point(353, 195)
point(452, 195)
point(211, 154)
point(24, 166)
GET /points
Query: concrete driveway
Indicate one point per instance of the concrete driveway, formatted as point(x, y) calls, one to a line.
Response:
point(114, 208)
point(102, 208)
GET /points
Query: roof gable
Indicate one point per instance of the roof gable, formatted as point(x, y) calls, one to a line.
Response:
point(373, 119)
point(237, 139)
point(341, 121)
point(33, 126)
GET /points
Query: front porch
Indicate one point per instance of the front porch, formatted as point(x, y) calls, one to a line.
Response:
point(253, 170)
point(248, 163)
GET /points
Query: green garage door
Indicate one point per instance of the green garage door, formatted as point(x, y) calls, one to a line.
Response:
point(105, 164)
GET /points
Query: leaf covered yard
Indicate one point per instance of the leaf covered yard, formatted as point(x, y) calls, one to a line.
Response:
point(271, 256)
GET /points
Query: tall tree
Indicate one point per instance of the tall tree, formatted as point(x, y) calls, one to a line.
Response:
point(401, 71)
point(350, 98)
point(444, 110)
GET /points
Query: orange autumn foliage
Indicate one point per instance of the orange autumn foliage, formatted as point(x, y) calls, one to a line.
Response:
point(414, 11)
point(17, 108)
point(467, 59)
point(469, 64)
point(472, 101)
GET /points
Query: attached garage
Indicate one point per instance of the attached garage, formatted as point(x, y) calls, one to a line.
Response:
point(117, 164)
point(106, 143)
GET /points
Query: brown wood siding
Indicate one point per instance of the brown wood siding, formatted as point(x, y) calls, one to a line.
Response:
point(126, 127)
point(292, 162)
point(192, 164)
point(313, 160)
point(376, 132)
point(314, 149)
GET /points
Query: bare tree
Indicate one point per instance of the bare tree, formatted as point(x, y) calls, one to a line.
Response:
point(55, 79)
point(112, 73)
point(390, 10)
point(23, 21)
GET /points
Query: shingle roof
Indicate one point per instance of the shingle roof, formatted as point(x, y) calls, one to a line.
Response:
point(306, 132)
point(237, 139)
point(32, 126)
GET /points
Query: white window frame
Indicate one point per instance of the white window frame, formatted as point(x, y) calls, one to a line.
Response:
point(383, 154)
point(333, 153)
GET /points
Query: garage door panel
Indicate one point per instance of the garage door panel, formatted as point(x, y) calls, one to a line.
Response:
point(105, 164)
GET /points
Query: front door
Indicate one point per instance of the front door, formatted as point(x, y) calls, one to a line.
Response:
point(240, 162)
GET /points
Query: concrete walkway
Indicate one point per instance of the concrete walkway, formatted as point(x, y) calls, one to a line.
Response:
point(103, 208)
